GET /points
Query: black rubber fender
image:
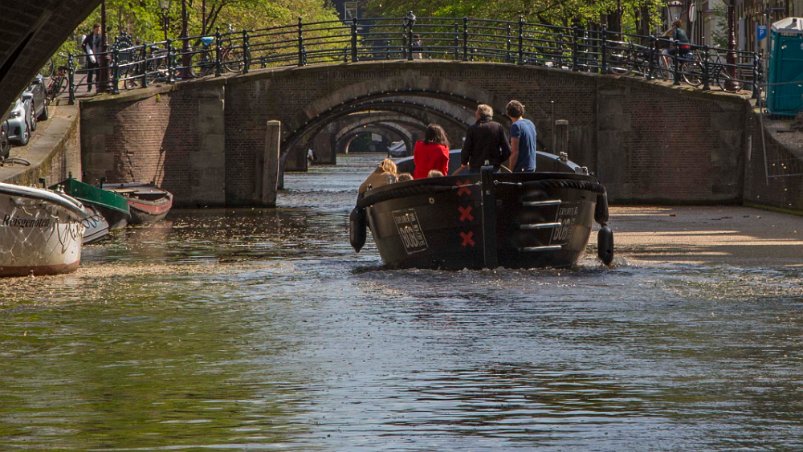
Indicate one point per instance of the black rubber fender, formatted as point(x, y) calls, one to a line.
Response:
point(601, 209)
point(358, 225)
point(605, 245)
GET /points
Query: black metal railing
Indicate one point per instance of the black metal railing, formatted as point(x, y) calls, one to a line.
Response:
point(596, 50)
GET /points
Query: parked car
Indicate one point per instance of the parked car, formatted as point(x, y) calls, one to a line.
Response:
point(18, 122)
point(5, 145)
point(36, 92)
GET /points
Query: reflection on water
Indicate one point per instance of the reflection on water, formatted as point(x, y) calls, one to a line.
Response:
point(261, 328)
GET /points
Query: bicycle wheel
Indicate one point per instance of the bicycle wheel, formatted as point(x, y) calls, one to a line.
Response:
point(49, 69)
point(692, 73)
point(723, 79)
point(57, 85)
point(131, 78)
point(233, 61)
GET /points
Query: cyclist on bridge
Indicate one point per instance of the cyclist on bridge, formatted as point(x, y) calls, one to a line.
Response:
point(680, 42)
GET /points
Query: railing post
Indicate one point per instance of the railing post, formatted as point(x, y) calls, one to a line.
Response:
point(387, 49)
point(509, 44)
point(676, 63)
point(465, 39)
point(456, 41)
point(575, 33)
point(143, 71)
point(651, 63)
point(171, 64)
point(409, 32)
point(756, 74)
point(301, 57)
point(521, 40)
point(604, 50)
point(354, 58)
point(706, 70)
point(218, 46)
point(115, 70)
point(246, 52)
point(71, 78)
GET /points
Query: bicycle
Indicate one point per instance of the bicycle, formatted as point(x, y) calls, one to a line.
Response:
point(231, 59)
point(691, 71)
point(57, 83)
point(717, 71)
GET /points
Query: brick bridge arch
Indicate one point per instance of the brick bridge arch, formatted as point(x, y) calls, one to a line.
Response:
point(424, 102)
point(379, 128)
point(345, 137)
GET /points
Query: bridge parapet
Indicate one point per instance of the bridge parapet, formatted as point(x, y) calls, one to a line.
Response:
point(573, 49)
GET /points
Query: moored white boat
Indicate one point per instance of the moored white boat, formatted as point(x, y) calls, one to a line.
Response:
point(96, 226)
point(41, 231)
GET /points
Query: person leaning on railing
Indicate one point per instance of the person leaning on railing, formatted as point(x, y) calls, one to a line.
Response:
point(680, 42)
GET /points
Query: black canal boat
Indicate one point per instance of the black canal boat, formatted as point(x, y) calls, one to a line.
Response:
point(515, 220)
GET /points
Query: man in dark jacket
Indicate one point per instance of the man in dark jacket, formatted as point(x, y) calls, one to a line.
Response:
point(486, 143)
point(93, 46)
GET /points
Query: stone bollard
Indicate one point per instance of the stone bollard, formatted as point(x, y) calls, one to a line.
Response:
point(561, 136)
point(268, 165)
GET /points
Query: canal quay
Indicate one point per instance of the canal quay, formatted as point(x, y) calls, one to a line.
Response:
point(245, 320)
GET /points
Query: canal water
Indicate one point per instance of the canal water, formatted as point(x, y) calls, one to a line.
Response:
point(262, 329)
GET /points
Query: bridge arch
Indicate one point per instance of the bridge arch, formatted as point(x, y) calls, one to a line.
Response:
point(454, 113)
point(379, 128)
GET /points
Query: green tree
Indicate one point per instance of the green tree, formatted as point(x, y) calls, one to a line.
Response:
point(637, 15)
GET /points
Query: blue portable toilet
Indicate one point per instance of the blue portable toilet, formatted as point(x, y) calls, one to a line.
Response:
point(785, 71)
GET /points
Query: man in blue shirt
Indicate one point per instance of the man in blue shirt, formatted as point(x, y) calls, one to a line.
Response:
point(522, 139)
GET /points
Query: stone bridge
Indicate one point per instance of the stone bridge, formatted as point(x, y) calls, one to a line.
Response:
point(29, 33)
point(647, 141)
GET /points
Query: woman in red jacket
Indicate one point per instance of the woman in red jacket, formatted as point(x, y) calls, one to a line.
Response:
point(432, 153)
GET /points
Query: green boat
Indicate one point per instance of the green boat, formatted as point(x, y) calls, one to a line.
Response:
point(113, 206)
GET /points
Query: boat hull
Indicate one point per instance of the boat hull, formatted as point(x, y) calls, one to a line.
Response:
point(510, 220)
point(41, 232)
point(111, 205)
point(147, 212)
point(95, 226)
point(147, 203)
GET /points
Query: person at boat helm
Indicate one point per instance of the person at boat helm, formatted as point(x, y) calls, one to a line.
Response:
point(486, 143)
point(522, 139)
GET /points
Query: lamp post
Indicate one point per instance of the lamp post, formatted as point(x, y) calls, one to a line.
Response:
point(104, 58)
point(675, 9)
point(731, 84)
point(185, 44)
point(165, 6)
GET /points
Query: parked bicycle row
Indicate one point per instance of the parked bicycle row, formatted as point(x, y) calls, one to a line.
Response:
point(127, 64)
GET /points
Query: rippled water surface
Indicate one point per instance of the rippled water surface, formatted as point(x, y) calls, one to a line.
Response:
point(263, 329)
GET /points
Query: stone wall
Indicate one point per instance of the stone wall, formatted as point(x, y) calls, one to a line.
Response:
point(172, 136)
point(57, 149)
point(777, 184)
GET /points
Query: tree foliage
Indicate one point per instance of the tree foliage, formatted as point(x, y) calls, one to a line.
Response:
point(551, 12)
point(143, 19)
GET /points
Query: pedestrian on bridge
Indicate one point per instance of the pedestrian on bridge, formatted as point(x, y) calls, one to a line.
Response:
point(93, 46)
